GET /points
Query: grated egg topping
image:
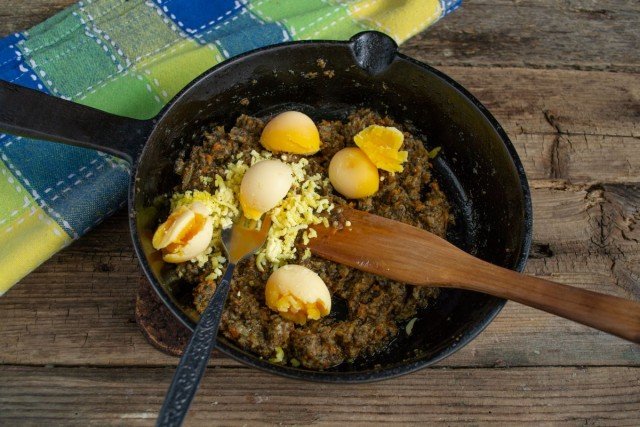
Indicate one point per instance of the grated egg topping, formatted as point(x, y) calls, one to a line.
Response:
point(302, 207)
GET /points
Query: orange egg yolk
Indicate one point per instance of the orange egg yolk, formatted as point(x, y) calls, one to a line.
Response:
point(382, 144)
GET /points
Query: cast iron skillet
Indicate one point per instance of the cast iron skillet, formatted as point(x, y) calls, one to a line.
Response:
point(477, 168)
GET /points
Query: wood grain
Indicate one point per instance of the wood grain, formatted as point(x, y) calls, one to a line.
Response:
point(229, 396)
point(551, 102)
point(563, 79)
point(576, 34)
point(20, 15)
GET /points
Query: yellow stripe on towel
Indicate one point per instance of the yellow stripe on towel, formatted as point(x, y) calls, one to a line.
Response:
point(29, 238)
point(27, 244)
point(400, 19)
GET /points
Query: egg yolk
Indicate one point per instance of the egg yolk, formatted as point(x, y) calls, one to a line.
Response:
point(382, 144)
point(352, 174)
point(291, 132)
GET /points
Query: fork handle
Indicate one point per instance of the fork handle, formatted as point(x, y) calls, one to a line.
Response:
point(195, 357)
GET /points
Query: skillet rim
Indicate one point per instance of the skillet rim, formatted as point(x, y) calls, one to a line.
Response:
point(252, 360)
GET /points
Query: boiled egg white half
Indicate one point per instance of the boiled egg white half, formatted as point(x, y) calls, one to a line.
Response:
point(263, 186)
point(297, 294)
point(185, 234)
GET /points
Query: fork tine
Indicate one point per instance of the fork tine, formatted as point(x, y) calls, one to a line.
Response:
point(244, 238)
point(266, 223)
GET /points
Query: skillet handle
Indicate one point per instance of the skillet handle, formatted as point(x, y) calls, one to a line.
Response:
point(29, 113)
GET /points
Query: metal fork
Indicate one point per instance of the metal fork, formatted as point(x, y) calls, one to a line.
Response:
point(239, 241)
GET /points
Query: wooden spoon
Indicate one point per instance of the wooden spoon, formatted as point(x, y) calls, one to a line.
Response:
point(408, 254)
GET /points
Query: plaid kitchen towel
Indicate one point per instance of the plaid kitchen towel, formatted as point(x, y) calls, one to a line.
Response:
point(130, 57)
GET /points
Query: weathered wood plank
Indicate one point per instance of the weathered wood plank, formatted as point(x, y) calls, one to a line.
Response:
point(579, 158)
point(132, 396)
point(576, 34)
point(557, 101)
point(78, 307)
point(581, 129)
point(561, 123)
point(20, 15)
point(580, 34)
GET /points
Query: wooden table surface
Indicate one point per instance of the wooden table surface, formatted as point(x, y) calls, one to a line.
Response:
point(563, 77)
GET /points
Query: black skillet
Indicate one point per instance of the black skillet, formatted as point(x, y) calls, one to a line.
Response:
point(478, 168)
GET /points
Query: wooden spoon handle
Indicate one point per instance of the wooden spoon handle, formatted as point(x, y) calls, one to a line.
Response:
point(607, 313)
point(411, 255)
